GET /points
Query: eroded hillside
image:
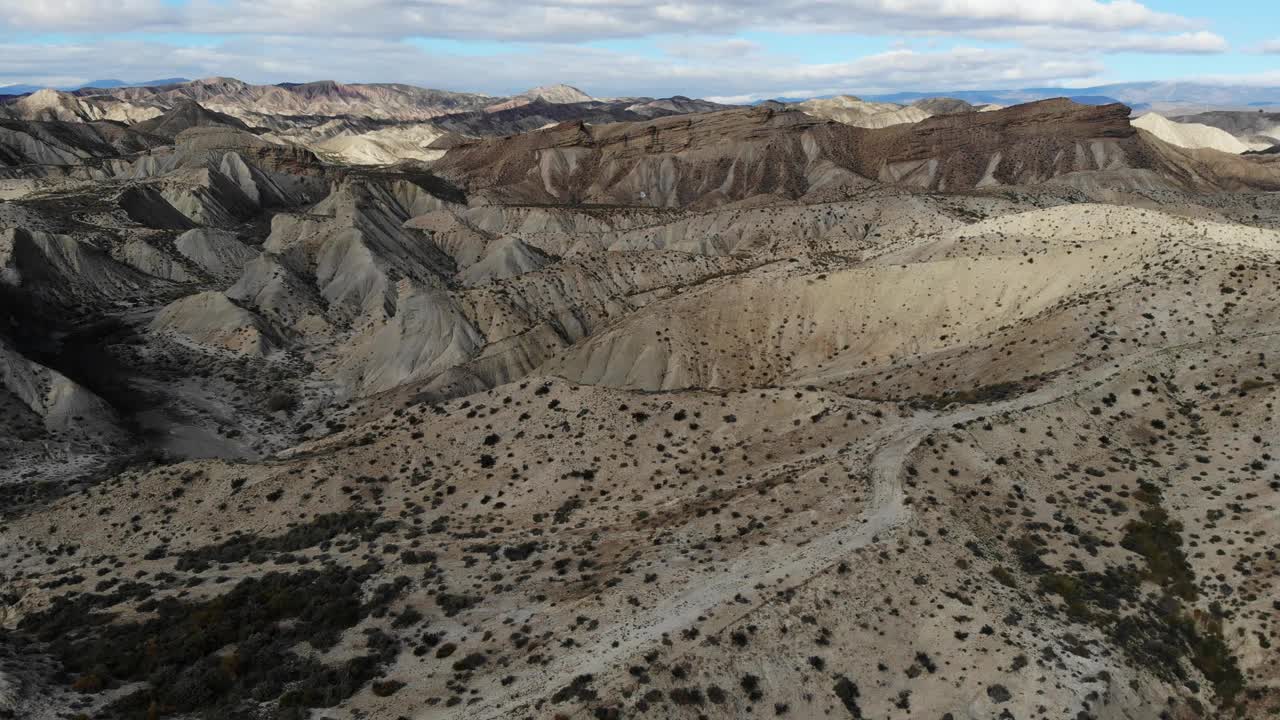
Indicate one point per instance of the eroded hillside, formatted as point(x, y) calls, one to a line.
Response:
point(745, 413)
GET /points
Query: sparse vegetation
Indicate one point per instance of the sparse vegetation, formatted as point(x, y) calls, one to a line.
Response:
point(697, 416)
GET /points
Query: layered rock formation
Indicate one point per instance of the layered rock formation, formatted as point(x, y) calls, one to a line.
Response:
point(730, 156)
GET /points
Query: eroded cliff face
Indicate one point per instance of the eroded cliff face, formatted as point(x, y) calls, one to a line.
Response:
point(726, 157)
point(1022, 145)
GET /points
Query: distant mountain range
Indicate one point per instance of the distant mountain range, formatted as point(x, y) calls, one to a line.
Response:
point(1137, 95)
point(985, 97)
point(24, 89)
point(1141, 96)
point(353, 123)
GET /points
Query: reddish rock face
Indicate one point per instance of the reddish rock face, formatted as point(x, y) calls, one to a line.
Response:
point(713, 158)
point(1020, 144)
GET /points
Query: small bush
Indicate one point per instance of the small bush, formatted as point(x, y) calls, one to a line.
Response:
point(278, 401)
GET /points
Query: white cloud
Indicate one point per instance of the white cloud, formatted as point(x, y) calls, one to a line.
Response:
point(1055, 42)
point(578, 20)
point(959, 15)
point(600, 72)
point(713, 49)
point(89, 15)
point(1266, 79)
point(1047, 38)
point(1271, 46)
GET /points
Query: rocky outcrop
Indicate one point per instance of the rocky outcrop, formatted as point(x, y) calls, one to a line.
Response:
point(210, 145)
point(669, 162)
point(148, 206)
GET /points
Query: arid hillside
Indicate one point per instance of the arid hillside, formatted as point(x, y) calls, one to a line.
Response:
point(665, 410)
point(703, 161)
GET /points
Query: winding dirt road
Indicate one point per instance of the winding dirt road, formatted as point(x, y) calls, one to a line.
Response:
point(781, 566)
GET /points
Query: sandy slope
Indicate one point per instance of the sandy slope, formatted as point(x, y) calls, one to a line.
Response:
point(1191, 135)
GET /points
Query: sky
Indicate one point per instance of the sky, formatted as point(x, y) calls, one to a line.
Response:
point(731, 51)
